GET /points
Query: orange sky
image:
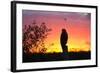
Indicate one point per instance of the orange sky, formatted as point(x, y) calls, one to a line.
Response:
point(76, 24)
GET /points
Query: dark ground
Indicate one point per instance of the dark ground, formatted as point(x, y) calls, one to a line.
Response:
point(56, 56)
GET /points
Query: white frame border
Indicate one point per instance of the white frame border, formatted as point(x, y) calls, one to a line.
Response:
point(39, 65)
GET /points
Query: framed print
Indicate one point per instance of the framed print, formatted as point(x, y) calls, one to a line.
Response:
point(47, 36)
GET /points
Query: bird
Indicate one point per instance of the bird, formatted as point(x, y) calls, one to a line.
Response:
point(64, 39)
point(65, 19)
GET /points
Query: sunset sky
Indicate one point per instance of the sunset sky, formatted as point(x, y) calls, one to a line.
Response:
point(78, 26)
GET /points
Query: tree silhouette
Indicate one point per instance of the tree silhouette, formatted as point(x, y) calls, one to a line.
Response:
point(34, 36)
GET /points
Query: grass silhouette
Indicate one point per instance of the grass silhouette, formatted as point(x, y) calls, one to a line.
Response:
point(40, 57)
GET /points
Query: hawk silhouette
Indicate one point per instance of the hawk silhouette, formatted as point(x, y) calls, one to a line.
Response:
point(63, 40)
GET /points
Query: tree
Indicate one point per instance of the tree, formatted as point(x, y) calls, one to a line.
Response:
point(34, 36)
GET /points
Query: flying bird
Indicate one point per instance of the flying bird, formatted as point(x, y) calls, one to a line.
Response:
point(65, 19)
